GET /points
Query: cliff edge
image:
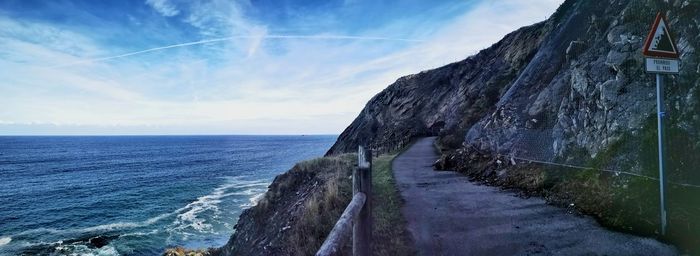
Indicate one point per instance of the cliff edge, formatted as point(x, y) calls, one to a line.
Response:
point(563, 109)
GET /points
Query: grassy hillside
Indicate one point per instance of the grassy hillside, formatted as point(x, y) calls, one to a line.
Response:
point(302, 205)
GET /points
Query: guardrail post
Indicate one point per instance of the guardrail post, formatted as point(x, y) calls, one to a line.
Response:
point(362, 182)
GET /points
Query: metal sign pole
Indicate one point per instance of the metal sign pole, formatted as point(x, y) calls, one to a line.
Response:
point(662, 58)
point(660, 124)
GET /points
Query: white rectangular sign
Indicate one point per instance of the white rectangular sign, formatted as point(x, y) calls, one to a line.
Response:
point(664, 66)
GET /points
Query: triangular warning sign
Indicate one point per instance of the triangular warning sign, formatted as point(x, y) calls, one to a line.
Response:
point(659, 42)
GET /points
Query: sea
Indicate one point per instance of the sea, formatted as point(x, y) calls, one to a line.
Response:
point(135, 195)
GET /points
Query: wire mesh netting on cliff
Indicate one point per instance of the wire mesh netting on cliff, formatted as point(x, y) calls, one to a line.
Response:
point(584, 111)
point(585, 101)
point(539, 146)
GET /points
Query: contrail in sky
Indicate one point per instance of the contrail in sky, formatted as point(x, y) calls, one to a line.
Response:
point(319, 37)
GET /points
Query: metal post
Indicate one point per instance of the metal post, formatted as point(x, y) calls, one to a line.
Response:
point(660, 129)
point(362, 182)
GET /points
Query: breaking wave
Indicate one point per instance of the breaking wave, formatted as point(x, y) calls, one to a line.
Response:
point(190, 217)
point(198, 216)
point(5, 240)
point(136, 195)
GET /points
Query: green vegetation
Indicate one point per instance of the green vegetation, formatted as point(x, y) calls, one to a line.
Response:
point(630, 203)
point(683, 203)
point(327, 200)
point(389, 234)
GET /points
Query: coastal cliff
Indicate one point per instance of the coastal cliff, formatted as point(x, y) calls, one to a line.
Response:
point(443, 101)
point(299, 209)
point(562, 109)
point(302, 205)
point(566, 92)
point(577, 77)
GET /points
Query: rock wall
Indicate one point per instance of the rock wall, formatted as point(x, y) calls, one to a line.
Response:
point(564, 90)
point(442, 101)
point(570, 89)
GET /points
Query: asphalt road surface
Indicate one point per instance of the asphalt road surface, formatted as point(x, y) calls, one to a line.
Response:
point(449, 215)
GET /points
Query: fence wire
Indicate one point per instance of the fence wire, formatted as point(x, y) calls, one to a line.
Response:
point(536, 146)
point(574, 102)
point(617, 173)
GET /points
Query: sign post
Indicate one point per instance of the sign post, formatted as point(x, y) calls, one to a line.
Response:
point(660, 129)
point(662, 58)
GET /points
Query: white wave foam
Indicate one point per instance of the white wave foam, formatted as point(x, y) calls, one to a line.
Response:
point(86, 251)
point(5, 240)
point(40, 230)
point(190, 216)
point(123, 225)
point(152, 232)
point(238, 183)
point(98, 228)
point(25, 244)
point(187, 218)
point(253, 200)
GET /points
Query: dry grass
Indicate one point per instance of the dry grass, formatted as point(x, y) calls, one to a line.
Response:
point(322, 208)
point(302, 205)
point(323, 169)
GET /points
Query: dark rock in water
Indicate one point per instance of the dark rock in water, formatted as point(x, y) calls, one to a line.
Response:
point(65, 247)
point(99, 241)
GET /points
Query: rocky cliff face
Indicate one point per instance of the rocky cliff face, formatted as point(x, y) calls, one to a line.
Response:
point(445, 100)
point(563, 108)
point(564, 90)
point(586, 91)
point(569, 90)
point(297, 212)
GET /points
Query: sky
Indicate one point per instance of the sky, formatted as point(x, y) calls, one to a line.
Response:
point(131, 67)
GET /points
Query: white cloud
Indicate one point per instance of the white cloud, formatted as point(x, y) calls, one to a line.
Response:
point(256, 39)
point(260, 83)
point(164, 7)
point(220, 18)
point(47, 42)
point(257, 36)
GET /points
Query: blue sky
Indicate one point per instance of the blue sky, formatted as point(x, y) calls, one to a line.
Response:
point(226, 67)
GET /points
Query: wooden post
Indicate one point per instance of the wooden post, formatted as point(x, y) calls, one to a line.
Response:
point(362, 182)
point(341, 231)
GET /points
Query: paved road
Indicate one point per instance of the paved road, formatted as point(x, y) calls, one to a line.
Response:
point(448, 215)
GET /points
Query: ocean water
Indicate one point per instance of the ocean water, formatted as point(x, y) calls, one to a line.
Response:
point(135, 195)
